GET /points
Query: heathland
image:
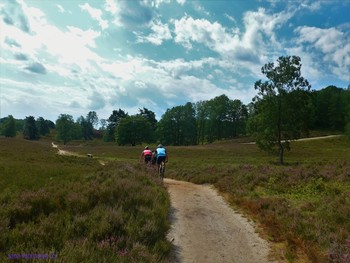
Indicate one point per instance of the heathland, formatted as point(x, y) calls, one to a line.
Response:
point(79, 210)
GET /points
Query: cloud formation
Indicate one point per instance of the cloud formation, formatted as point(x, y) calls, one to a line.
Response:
point(36, 68)
point(104, 55)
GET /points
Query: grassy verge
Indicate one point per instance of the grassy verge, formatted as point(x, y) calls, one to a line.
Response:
point(75, 210)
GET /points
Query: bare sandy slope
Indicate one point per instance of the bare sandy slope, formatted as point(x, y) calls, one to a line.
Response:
point(206, 229)
point(63, 152)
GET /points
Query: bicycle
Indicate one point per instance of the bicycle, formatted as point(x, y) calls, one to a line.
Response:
point(161, 170)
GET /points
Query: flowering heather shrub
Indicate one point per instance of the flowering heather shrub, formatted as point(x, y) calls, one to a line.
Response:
point(79, 210)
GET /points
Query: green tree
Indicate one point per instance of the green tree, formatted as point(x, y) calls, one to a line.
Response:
point(92, 118)
point(150, 116)
point(330, 108)
point(66, 128)
point(237, 116)
point(9, 127)
point(178, 126)
point(347, 130)
point(43, 126)
point(86, 127)
point(30, 130)
point(113, 121)
point(103, 124)
point(218, 109)
point(202, 116)
point(282, 106)
point(133, 130)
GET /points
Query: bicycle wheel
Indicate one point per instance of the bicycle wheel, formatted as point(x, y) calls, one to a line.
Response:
point(161, 170)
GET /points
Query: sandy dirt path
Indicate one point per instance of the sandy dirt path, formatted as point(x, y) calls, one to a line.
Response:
point(63, 152)
point(205, 229)
point(309, 139)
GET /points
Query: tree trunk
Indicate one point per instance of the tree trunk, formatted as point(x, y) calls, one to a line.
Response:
point(280, 153)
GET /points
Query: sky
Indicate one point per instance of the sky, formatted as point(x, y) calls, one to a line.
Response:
point(72, 57)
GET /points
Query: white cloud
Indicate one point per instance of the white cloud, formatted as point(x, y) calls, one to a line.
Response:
point(95, 14)
point(45, 40)
point(160, 33)
point(156, 3)
point(97, 101)
point(212, 35)
point(332, 43)
point(60, 9)
point(254, 44)
point(327, 40)
point(111, 7)
point(200, 9)
point(259, 25)
point(130, 13)
point(231, 18)
point(313, 6)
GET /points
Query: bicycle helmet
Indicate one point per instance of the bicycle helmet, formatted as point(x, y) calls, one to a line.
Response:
point(160, 146)
point(146, 148)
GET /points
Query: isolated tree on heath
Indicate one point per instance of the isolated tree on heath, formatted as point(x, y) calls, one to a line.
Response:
point(282, 106)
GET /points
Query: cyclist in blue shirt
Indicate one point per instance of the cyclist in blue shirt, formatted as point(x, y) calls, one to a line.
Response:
point(162, 155)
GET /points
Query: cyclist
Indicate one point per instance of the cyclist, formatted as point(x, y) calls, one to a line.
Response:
point(162, 155)
point(147, 155)
point(154, 157)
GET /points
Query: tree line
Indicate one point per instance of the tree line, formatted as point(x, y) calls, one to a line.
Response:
point(284, 109)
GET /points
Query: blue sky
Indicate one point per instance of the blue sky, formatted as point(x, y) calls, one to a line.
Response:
point(74, 56)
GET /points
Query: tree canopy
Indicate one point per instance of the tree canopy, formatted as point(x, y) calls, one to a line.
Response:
point(282, 106)
point(178, 126)
point(67, 129)
point(30, 130)
point(9, 127)
point(113, 121)
point(133, 130)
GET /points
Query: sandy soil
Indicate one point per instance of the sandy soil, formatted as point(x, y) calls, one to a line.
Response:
point(205, 229)
point(62, 152)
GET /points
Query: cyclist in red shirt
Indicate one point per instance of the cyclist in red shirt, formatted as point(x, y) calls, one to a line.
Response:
point(147, 155)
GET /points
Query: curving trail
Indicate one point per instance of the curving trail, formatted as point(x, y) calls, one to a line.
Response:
point(206, 229)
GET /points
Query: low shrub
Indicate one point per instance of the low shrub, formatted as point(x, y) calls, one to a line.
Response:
point(79, 211)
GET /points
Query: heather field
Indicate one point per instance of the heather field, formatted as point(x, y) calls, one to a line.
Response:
point(76, 209)
point(303, 207)
point(71, 209)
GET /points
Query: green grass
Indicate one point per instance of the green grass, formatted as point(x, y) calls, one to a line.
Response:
point(78, 210)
